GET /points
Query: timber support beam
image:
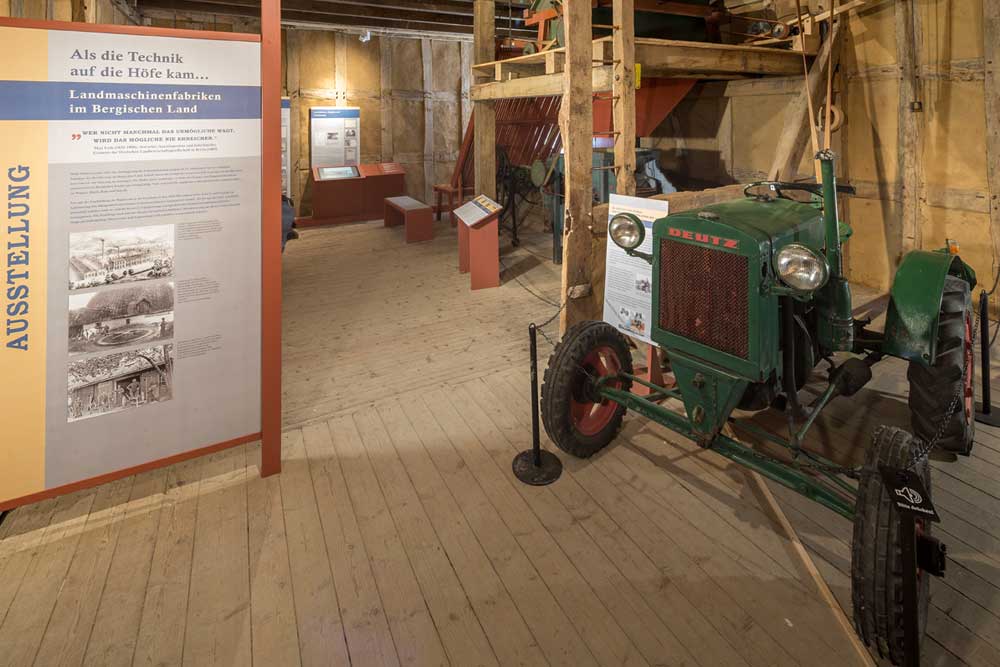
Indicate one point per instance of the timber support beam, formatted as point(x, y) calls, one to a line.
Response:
point(623, 95)
point(576, 123)
point(485, 110)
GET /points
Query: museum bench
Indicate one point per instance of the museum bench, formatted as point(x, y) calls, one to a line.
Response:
point(415, 215)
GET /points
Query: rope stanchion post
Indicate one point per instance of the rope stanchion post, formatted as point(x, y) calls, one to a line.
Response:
point(985, 414)
point(536, 466)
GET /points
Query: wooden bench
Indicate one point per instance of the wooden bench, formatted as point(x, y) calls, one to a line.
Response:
point(416, 215)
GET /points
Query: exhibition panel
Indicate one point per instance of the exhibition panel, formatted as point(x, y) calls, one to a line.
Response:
point(132, 251)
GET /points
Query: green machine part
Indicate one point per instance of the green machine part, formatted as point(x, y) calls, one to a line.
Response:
point(603, 180)
point(836, 321)
point(717, 315)
point(915, 303)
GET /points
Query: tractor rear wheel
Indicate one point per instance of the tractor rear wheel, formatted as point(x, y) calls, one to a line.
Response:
point(578, 420)
point(933, 389)
point(876, 552)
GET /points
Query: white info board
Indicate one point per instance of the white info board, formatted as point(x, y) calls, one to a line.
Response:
point(476, 211)
point(628, 281)
point(286, 145)
point(334, 136)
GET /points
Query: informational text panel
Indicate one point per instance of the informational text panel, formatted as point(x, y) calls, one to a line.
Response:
point(131, 251)
point(628, 282)
point(334, 136)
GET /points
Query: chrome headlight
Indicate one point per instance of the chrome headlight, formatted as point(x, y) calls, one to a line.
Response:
point(800, 268)
point(627, 231)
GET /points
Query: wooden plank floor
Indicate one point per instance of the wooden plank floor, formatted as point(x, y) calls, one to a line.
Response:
point(396, 534)
point(964, 620)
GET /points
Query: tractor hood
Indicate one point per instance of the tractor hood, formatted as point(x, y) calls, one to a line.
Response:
point(712, 273)
point(773, 223)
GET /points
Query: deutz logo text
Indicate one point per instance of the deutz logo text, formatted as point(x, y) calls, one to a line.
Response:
point(707, 239)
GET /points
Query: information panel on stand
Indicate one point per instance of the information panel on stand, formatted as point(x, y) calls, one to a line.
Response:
point(131, 251)
point(628, 289)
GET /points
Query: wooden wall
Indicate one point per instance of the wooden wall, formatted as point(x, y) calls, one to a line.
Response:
point(729, 131)
point(413, 95)
point(413, 92)
point(100, 11)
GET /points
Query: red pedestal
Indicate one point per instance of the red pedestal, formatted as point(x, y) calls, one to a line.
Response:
point(463, 248)
point(651, 373)
point(484, 254)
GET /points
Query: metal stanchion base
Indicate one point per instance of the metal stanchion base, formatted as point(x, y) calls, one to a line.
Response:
point(991, 418)
point(526, 470)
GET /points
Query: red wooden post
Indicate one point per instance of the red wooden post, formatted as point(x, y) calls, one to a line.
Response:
point(270, 375)
point(651, 373)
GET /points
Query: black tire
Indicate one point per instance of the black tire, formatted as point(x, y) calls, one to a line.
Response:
point(876, 555)
point(932, 389)
point(567, 382)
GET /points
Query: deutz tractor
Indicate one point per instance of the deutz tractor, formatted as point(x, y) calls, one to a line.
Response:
point(749, 296)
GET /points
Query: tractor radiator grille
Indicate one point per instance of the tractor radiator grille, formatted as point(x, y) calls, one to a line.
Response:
point(703, 296)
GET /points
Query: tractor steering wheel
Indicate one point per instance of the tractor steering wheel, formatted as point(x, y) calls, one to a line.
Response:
point(815, 189)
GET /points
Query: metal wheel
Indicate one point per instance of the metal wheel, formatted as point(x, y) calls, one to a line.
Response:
point(576, 418)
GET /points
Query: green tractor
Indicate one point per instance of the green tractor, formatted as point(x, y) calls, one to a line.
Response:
point(748, 297)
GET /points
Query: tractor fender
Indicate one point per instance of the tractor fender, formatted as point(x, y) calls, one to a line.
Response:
point(915, 302)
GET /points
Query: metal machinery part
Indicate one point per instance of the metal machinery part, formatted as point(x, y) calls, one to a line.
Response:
point(836, 117)
point(603, 182)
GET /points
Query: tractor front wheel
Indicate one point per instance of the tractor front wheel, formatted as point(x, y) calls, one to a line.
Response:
point(577, 419)
point(941, 396)
point(876, 552)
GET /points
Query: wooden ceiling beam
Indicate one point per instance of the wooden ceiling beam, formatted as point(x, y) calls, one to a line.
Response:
point(346, 9)
point(315, 11)
point(440, 6)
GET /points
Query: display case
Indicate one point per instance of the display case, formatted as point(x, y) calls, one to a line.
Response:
point(348, 193)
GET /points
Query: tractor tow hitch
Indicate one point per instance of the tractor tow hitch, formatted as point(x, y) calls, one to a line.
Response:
point(931, 555)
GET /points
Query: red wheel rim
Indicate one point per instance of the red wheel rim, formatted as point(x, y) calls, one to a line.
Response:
point(969, 361)
point(591, 418)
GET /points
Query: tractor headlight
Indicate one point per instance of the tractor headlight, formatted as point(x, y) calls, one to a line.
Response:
point(627, 231)
point(800, 268)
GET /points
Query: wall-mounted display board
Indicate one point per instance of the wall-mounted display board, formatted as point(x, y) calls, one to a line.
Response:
point(286, 146)
point(131, 161)
point(334, 136)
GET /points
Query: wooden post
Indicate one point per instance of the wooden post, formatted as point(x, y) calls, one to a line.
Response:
point(466, 107)
point(385, 97)
point(991, 83)
point(910, 127)
point(270, 377)
point(623, 90)
point(795, 134)
point(340, 69)
point(484, 47)
point(576, 123)
point(427, 61)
